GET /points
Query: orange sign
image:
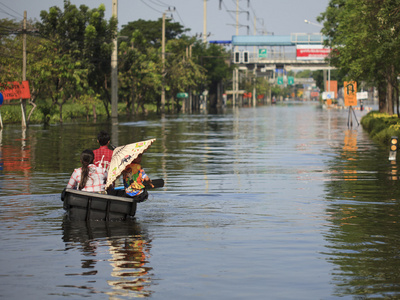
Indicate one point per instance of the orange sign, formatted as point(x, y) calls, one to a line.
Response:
point(350, 93)
point(332, 87)
point(247, 95)
point(15, 90)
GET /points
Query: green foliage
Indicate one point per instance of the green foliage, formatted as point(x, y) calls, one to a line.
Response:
point(46, 113)
point(365, 37)
point(70, 59)
point(152, 30)
point(45, 109)
point(216, 62)
point(140, 72)
point(78, 51)
point(10, 114)
point(381, 126)
point(10, 51)
point(262, 85)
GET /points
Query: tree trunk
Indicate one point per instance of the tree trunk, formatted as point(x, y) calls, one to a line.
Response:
point(107, 101)
point(94, 112)
point(382, 97)
point(396, 95)
point(60, 105)
point(389, 97)
point(32, 102)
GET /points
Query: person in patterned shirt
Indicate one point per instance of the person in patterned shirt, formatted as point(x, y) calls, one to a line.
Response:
point(134, 177)
point(90, 177)
point(102, 155)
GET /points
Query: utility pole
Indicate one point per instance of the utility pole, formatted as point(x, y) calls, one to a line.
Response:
point(236, 71)
point(163, 61)
point(163, 66)
point(23, 101)
point(205, 22)
point(114, 68)
point(237, 18)
point(255, 33)
point(255, 65)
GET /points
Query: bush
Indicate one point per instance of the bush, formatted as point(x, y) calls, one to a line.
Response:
point(46, 113)
point(381, 127)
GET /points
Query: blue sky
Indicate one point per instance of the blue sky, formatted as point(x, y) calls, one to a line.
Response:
point(280, 17)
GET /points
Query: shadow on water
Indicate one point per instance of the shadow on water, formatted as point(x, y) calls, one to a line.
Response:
point(363, 238)
point(127, 249)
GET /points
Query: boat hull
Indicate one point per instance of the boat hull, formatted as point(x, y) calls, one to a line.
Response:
point(94, 206)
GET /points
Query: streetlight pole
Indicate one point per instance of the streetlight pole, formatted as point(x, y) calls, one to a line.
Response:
point(163, 66)
point(329, 65)
point(205, 22)
point(23, 101)
point(114, 69)
point(312, 23)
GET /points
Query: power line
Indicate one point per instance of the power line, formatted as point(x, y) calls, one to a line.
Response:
point(163, 5)
point(3, 11)
point(180, 18)
point(11, 9)
point(151, 7)
point(226, 9)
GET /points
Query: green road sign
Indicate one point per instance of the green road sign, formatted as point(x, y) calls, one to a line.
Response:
point(280, 80)
point(182, 95)
point(290, 80)
point(262, 53)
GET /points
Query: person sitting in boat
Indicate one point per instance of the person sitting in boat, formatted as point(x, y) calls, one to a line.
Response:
point(90, 177)
point(102, 155)
point(134, 177)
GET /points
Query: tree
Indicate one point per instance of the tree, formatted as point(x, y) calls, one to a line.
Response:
point(140, 72)
point(364, 35)
point(80, 44)
point(10, 51)
point(151, 30)
point(11, 59)
point(183, 73)
point(216, 61)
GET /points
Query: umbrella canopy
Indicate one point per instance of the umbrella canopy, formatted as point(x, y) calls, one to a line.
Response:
point(123, 156)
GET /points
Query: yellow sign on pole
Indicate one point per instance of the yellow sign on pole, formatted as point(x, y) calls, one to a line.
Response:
point(350, 93)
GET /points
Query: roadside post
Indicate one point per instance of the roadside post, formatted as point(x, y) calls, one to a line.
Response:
point(394, 144)
point(350, 100)
point(1, 103)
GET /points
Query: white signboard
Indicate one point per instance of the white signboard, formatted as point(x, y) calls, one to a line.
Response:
point(362, 95)
point(328, 95)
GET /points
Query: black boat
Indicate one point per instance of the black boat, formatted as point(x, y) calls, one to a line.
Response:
point(82, 205)
point(95, 206)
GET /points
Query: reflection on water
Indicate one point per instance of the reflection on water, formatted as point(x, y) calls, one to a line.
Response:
point(393, 171)
point(363, 239)
point(16, 158)
point(282, 201)
point(128, 252)
point(349, 153)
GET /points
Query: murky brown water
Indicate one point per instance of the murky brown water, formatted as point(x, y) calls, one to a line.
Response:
point(278, 202)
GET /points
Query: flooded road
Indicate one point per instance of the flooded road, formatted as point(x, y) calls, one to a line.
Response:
point(277, 202)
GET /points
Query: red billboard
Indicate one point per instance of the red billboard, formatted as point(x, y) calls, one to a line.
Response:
point(15, 90)
point(312, 52)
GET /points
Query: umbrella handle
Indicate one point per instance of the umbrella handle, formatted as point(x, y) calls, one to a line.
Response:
point(155, 183)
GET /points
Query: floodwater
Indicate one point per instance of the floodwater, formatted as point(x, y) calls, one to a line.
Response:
point(276, 202)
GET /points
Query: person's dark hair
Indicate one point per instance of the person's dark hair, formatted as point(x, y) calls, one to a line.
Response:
point(103, 137)
point(87, 158)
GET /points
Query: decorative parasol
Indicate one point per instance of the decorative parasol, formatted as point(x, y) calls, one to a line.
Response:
point(123, 156)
